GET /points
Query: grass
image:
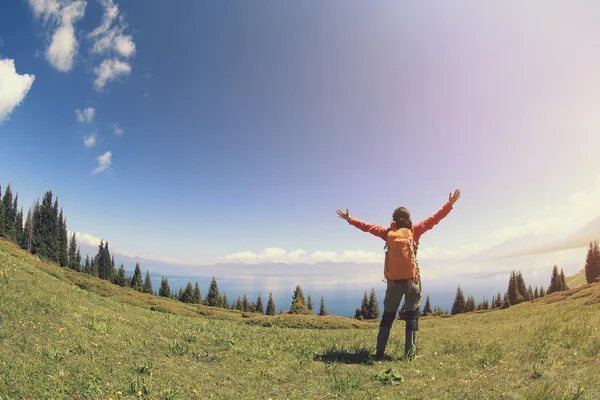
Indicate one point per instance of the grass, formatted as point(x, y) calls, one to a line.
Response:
point(67, 335)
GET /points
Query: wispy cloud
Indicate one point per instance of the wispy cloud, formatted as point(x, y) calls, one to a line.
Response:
point(109, 36)
point(110, 70)
point(90, 140)
point(60, 15)
point(86, 115)
point(117, 130)
point(104, 162)
point(14, 87)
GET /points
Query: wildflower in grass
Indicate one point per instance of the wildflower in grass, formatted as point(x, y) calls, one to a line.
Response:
point(140, 393)
point(119, 393)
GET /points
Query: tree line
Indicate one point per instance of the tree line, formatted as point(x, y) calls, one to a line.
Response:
point(44, 233)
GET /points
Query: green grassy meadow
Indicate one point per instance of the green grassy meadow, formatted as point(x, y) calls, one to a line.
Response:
point(69, 335)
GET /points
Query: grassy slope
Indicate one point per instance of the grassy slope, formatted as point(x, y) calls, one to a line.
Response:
point(576, 280)
point(58, 340)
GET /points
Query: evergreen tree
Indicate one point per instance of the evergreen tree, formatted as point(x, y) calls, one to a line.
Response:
point(309, 304)
point(322, 310)
point(121, 277)
point(136, 280)
point(521, 285)
point(113, 270)
point(180, 293)
point(56, 245)
point(506, 302)
point(373, 306)
point(197, 296)
point(19, 232)
point(245, 304)
point(270, 305)
point(147, 286)
point(238, 304)
point(187, 296)
point(514, 295)
point(592, 263)
point(93, 267)
point(485, 304)
point(470, 304)
point(45, 226)
point(87, 268)
point(499, 301)
point(529, 294)
point(542, 291)
point(298, 296)
point(165, 290)
point(536, 293)
point(259, 305)
point(72, 255)
point(427, 308)
point(213, 294)
point(28, 231)
point(554, 281)
point(563, 282)
point(459, 304)
point(62, 255)
point(78, 260)
point(8, 223)
point(364, 306)
point(225, 301)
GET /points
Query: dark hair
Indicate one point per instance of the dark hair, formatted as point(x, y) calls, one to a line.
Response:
point(401, 217)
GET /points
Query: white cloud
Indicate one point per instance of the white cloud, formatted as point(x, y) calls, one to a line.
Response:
point(109, 37)
point(110, 70)
point(62, 14)
point(14, 87)
point(90, 140)
point(117, 130)
point(104, 162)
point(273, 255)
point(567, 215)
point(84, 238)
point(85, 115)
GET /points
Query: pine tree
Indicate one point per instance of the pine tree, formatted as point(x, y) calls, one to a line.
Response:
point(136, 280)
point(19, 232)
point(536, 293)
point(87, 268)
point(78, 260)
point(554, 281)
point(8, 222)
point(498, 301)
point(28, 232)
point(270, 305)
point(514, 295)
point(1, 214)
point(180, 293)
point(44, 228)
point(245, 303)
point(459, 304)
point(592, 263)
point(427, 308)
point(364, 306)
point(309, 304)
point(470, 304)
point(93, 267)
point(62, 241)
point(187, 296)
point(72, 255)
point(259, 305)
point(529, 294)
point(113, 270)
point(225, 301)
point(147, 286)
point(485, 304)
point(121, 277)
point(213, 293)
point(506, 302)
point(197, 297)
point(55, 249)
point(298, 295)
point(165, 290)
point(521, 285)
point(373, 306)
point(563, 282)
point(322, 310)
point(542, 291)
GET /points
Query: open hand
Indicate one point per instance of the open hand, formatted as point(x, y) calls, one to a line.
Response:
point(453, 197)
point(343, 215)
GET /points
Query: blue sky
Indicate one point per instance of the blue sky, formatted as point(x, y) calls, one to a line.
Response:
point(231, 132)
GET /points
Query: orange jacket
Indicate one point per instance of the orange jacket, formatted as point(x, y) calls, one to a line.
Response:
point(418, 229)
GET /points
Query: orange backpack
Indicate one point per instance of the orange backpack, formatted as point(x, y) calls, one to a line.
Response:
point(400, 255)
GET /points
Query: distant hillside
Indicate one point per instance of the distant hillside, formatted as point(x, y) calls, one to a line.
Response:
point(576, 280)
point(69, 335)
